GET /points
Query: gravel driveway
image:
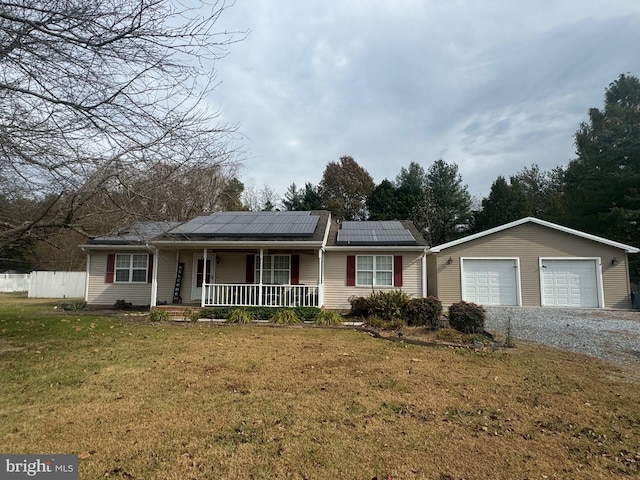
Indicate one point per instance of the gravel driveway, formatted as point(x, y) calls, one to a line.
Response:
point(610, 334)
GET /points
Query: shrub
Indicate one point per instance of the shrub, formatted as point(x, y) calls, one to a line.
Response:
point(359, 306)
point(158, 315)
point(388, 304)
point(327, 317)
point(423, 312)
point(191, 314)
point(74, 307)
point(122, 305)
point(467, 317)
point(285, 316)
point(239, 315)
point(306, 314)
point(258, 313)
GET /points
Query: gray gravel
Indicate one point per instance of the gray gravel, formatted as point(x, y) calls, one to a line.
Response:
point(609, 334)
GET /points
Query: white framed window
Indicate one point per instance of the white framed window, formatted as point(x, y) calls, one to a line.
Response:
point(374, 270)
point(131, 268)
point(276, 269)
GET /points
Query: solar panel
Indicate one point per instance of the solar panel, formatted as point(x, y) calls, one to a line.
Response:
point(374, 233)
point(377, 225)
point(225, 224)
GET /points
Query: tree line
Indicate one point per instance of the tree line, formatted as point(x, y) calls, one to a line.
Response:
point(598, 192)
point(103, 122)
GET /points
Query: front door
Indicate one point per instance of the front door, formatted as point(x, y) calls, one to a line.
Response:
point(198, 276)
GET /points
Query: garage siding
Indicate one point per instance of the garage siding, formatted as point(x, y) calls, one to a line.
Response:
point(529, 242)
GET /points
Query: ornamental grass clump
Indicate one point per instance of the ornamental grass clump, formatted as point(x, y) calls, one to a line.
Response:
point(158, 315)
point(240, 315)
point(328, 318)
point(467, 317)
point(285, 316)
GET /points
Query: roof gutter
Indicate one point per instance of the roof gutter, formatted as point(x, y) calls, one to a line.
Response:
point(237, 244)
point(119, 246)
point(353, 248)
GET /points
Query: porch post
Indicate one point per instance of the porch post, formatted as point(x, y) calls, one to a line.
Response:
point(260, 278)
point(154, 279)
point(203, 290)
point(320, 278)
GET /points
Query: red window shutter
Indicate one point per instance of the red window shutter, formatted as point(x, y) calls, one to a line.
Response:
point(351, 270)
point(251, 269)
point(295, 269)
point(397, 270)
point(150, 269)
point(111, 267)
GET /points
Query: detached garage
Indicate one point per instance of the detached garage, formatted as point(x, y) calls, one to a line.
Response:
point(531, 262)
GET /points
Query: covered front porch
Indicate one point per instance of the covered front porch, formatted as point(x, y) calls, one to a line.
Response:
point(239, 277)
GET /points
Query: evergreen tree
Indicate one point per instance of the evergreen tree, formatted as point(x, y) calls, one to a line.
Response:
point(382, 203)
point(505, 203)
point(449, 203)
point(602, 185)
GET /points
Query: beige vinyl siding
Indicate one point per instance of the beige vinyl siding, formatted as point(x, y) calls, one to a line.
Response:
point(309, 268)
point(336, 291)
point(166, 275)
point(529, 242)
point(101, 293)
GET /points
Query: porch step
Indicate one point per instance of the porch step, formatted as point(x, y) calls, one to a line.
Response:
point(179, 312)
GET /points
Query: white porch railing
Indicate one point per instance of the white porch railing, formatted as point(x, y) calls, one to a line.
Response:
point(243, 295)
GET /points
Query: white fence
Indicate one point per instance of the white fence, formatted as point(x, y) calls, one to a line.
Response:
point(14, 282)
point(46, 284)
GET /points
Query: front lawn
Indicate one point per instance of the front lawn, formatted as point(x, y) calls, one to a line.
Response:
point(196, 401)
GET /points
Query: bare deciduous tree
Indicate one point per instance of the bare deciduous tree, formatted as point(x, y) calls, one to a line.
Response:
point(102, 105)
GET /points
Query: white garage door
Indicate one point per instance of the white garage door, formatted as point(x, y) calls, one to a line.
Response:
point(569, 283)
point(490, 281)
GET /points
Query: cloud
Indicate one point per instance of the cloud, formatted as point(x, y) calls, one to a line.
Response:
point(492, 86)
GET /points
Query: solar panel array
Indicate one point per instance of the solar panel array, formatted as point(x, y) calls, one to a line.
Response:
point(374, 233)
point(240, 224)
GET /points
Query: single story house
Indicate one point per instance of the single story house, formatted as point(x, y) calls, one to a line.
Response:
point(274, 259)
point(531, 262)
point(281, 259)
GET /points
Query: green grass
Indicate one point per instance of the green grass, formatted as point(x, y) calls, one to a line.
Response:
point(194, 401)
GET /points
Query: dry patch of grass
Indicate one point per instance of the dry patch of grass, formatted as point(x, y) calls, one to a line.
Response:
point(197, 401)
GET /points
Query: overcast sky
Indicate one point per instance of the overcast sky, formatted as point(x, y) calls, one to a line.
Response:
point(490, 85)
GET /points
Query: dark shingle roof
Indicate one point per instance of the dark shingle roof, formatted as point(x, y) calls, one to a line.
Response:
point(138, 233)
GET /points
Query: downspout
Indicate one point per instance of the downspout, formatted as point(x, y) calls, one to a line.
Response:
point(260, 277)
point(320, 277)
point(424, 273)
point(154, 277)
point(203, 290)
